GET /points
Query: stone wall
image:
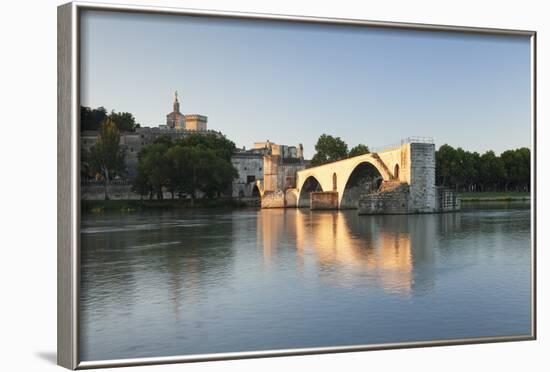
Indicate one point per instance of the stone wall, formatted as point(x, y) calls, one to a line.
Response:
point(393, 198)
point(280, 173)
point(273, 199)
point(447, 200)
point(271, 170)
point(131, 141)
point(249, 167)
point(422, 168)
point(323, 200)
point(134, 142)
point(116, 192)
point(352, 194)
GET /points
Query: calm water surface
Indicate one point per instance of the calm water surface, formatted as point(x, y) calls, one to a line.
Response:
point(189, 282)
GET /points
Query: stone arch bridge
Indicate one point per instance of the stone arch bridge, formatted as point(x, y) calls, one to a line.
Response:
point(399, 179)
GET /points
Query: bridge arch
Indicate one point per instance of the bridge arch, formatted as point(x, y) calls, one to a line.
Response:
point(364, 178)
point(255, 191)
point(339, 172)
point(311, 184)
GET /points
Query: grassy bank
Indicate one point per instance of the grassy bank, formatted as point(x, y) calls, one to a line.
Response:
point(98, 206)
point(494, 196)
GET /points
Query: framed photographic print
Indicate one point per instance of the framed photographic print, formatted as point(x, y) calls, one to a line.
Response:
point(235, 185)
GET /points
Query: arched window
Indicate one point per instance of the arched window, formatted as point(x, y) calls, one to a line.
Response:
point(396, 171)
point(334, 182)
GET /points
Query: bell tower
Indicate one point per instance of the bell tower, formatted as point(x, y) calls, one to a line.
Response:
point(175, 119)
point(176, 102)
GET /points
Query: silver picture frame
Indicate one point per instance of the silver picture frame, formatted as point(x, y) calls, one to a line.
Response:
point(68, 183)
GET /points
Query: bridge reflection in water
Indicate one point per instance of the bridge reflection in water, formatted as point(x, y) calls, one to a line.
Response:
point(350, 250)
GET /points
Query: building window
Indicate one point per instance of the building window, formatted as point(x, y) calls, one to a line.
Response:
point(250, 179)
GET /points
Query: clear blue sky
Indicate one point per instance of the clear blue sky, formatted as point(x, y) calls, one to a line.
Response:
point(290, 82)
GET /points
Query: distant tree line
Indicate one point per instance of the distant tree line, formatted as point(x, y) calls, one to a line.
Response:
point(329, 148)
point(470, 171)
point(195, 165)
point(92, 118)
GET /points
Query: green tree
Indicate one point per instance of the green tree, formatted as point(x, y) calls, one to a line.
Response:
point(524, 177)
point(360, 149)
point(183, 168)
point(141, 184)
point(164, 139)
point(444, 164)
point(512, 165)
point(493, 171)
point(329, 149)
point(218, 174)
point(154, 169)
point(199, 169)
point(222, 146)
point(107, 155)
point(518, 168)
point(471, 170)
point(91, 119)
point(124, 121)
point(181, 159)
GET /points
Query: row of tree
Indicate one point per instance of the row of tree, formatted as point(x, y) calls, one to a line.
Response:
point(196, 165)
point(470, 171)
point(329, 148)
point(92, 119)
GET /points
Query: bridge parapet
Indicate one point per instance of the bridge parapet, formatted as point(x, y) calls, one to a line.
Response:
point(404, 141)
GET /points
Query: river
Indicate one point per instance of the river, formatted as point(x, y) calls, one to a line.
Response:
point(165, 283)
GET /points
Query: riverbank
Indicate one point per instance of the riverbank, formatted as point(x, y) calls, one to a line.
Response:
point(99, 206)
point(494, 196)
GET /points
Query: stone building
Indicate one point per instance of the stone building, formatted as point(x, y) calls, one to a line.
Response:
point(177, 126)
point(249, 166)
point(266, 163)
point(195, 122)
point(178, 121)
point(131, 141)
point(175, 119)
